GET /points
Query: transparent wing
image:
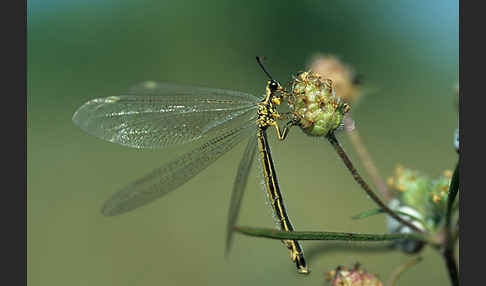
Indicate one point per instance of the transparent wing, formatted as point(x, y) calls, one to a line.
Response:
point(157, 115)
point(239, 188)
point(175, 173)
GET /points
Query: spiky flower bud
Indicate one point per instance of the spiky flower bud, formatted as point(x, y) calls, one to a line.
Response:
point(342, 276)
point(314, 105)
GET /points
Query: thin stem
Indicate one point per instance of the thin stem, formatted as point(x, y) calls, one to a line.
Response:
point(451, 264)
point(397, 272)
point(455, 231)
point(357, 177)
point(450, 238)
point(453, 190)
point(369, 165)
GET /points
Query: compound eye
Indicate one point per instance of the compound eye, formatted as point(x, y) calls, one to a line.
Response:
point(273, 85)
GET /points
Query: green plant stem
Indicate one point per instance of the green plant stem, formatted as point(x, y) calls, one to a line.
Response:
point(357, 177)
point(397, 272)
point(453, 190)
point(326, 235)
point(450, 237)
point(451, 264)
point(455, 231)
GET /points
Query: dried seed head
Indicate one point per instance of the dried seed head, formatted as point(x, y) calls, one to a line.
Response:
point(344, 78)
point(314, 105)
point(342, 276)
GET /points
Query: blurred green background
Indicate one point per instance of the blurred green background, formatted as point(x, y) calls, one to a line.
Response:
point(407, 52)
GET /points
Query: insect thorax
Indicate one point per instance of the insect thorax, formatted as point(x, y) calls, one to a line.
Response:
point(267, 114)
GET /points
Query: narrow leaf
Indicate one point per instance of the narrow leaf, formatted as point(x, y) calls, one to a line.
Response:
point(324, 235)
point(380, 211)
point(368, 213)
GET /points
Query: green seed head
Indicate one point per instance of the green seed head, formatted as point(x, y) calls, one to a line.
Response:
point(411, 188)
point(417, 191)
point(438, 195)
point(314, 105)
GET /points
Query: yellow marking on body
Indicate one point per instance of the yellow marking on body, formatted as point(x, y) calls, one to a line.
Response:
point(277, 206)
point(266, 117)
point(276, 101)
point(346, 108)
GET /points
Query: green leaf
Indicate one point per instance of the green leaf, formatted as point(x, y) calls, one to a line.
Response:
point(368, 213)
point(324, 235)
point(380, 211)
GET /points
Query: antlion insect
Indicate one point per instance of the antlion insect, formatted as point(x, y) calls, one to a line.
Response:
point(159, 115)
